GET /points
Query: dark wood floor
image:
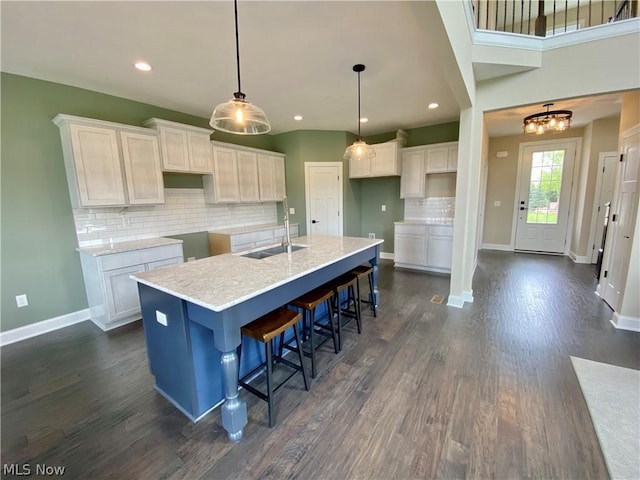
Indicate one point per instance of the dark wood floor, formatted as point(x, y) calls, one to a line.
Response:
point(487, 391)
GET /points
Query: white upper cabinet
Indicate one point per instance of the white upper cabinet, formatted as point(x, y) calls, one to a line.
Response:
point(244, 175)
point(184, 148)
point(271, 177)
point(223, 185)
point(110, 164)
point(248, 176)
point(386, 163)
point(442, 158)
point(413, 177)
point(141, 157)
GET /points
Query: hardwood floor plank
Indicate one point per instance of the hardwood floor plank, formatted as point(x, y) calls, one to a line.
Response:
point(427, 391)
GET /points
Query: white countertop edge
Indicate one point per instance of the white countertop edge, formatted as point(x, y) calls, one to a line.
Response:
point(127, 246)
point(424, 222)
point(244, 298)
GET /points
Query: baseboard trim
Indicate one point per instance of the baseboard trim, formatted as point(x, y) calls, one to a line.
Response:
point(579, 258)
point(387, 256)
point(497, 246)
point(622, 322)
point(455, 301)
point(45, 326)
point(467, 296)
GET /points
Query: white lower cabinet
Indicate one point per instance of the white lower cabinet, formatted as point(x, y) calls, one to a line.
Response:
point(111, 293)
point(423, 247)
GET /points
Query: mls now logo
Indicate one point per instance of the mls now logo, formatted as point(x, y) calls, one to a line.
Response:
point(26, 469)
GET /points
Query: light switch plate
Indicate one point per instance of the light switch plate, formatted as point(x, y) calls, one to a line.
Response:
point(292, 211)
point(384, 208)
point(161, 318)
point(497, 203)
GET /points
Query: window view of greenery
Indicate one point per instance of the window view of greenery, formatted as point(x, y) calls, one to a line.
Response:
point(544, 190)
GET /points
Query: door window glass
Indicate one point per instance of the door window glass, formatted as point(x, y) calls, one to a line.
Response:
point(544, 189)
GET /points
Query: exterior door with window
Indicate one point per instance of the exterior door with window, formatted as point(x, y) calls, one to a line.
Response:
point(545, 193)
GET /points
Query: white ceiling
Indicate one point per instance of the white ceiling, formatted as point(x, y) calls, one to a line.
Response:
point(296, 58)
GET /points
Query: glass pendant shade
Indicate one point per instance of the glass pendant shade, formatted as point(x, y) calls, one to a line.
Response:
point(240, 117)
point(359, 151)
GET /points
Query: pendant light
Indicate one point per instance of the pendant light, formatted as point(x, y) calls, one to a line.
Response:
point(359, 150)
point(549, 121)
point(238, 116)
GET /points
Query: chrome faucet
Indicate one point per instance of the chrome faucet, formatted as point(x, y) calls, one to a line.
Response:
point(286, 242)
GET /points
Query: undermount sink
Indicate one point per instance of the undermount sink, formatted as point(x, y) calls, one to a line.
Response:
point(271, 251)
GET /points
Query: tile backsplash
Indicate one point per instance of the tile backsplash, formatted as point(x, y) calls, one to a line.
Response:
point(184, 211)
point(431, 209)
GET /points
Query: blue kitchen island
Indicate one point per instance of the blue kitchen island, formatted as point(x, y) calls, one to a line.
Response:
point(192, 314)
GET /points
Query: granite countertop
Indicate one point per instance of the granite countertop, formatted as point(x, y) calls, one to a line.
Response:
point(409, 221)
point(119, 247)
point(248, 228)
point(222, 281)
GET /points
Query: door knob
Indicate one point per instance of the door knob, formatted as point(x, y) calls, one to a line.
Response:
point(315, 221)
point(523, 208)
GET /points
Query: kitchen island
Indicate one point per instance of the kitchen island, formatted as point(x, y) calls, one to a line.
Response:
point(192, 314)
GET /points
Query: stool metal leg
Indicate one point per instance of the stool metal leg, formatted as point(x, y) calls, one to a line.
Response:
point(269, 349)
point(301, 356)
point(351, 295)
point(312, 316)
point(333, 330)
point(373, 300)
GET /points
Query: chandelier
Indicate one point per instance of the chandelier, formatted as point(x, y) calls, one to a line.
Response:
point(549, 121)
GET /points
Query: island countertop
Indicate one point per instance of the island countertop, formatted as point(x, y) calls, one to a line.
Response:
point(222, 281)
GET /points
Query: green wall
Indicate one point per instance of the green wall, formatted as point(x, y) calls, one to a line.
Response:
point(38, 248)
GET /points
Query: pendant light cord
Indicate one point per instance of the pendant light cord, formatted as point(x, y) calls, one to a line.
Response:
point(358, 105)
point(235, 8)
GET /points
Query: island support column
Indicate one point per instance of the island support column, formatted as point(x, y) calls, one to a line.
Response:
point(375, 294)
point(227, 337)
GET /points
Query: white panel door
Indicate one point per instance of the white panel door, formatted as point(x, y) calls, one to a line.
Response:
point(324, 198)
point(623, 215)
point(604, 194)
point(545, 192)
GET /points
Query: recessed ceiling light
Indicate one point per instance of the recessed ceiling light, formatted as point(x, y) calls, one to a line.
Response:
point(433, 105)
point(364, 120)
point(298, 117)
point(142, 66)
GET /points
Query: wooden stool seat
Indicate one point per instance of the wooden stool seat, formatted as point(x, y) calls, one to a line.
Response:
point(308, 303)
point(360, 271)
point(265, 329)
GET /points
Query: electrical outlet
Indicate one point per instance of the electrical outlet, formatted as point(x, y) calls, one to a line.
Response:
point(21, 300)
point(161, 318)
point(191, 259)
point(372, 235)
point(384, 208)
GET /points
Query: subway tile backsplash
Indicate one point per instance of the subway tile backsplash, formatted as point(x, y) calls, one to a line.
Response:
point(431, 209)
point(184, 211)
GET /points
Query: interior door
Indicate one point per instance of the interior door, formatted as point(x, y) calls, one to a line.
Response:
point(604, 193)
point(324, 198)
point(545, 193)
point(623, 214)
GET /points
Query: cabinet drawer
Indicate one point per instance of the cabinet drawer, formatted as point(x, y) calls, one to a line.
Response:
point(137, 257)
point(441, 230)
point(255, 237)
point(411, 229)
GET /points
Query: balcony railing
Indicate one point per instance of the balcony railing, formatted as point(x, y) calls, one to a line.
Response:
point(551, 17)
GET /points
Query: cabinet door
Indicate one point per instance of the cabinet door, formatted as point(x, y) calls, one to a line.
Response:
point(141, 157)
point(121, 292)
point(248, 176)
point(437, 159)
point(175, 150)
point(164, 263)
point(199, 152)
point(359, 167)
point(271, 178)
point(98, 169)
point(385, 163)
point(225, 175)
point(410, 249)
point(413, 177)
point(439, 252)
point(452, 161)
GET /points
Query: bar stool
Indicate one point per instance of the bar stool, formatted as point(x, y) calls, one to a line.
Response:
point(308, 303)
point(360, 271)
point(264, 330)
point(346, 282)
